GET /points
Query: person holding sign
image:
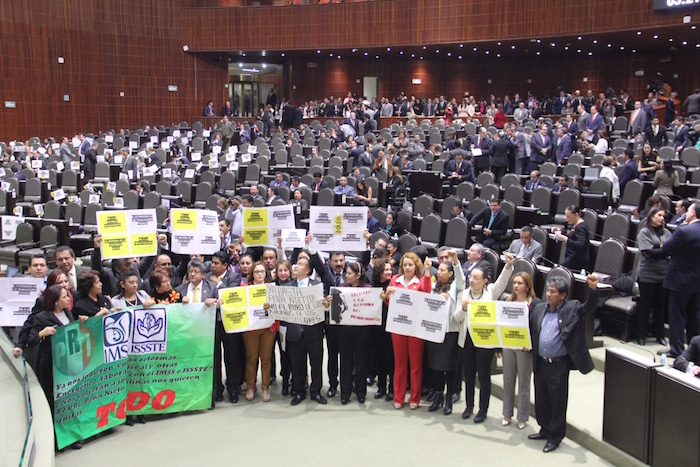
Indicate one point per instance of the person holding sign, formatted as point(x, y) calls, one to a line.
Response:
point(558, 345)
point(411, 276)
point(352, 343)
point(518, 363)
point(476, 360)
point(382, 272)
point(443, 358)
point(303, 340)
point(283, 275)
point(54, 312)
point(259, 344)
point(130, 294)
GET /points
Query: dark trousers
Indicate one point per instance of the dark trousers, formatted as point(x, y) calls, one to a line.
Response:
point(285, 363)
point(683, 311)
point(651, 299)
point(499, 172)
point(383, 357)
point(297, 354)
point(551, 397)
point(333, 353)
point(440, 378)
point(232, 360)
point(475, 360)
point(353, 341)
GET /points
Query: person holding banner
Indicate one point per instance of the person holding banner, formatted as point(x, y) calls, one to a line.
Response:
point(245, 267)
point(283, 274)
point(259, 344)
point(54, 312)
point(443, 358)
point(56, 277)
point(130, 294)
point(411, 276)
point(162, 291)
point(92, 302)
point(476, 360)
point(518, 363)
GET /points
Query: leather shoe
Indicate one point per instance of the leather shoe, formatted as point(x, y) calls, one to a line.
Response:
point(550, 446)
point(77, 445)
point(345, 400)
point(297, 399)
point(233, 398)
point(361, 399)
point(380, 393)
point(455, 397)
point(285, 391)
point(661, 341)
point(480, 417)
point(320, 399)
point(431, 395)
point(467, 413)
point(537, 436)
point(641, 341)
point(332, 391)
point(219, 398)
point(389, 396)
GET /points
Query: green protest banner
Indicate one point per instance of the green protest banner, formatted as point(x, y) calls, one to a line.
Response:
point(137, 361)
point(89, 371)
point(171, 363)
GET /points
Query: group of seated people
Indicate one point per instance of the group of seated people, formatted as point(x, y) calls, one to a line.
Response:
point(357, 357)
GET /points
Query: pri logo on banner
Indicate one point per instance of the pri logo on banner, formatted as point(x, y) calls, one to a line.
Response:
point(150, 330)
point(116, 336)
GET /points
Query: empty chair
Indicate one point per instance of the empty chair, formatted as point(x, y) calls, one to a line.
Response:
point(420, 164)
point(477, 205)
point(48, 242)
point(572, 170)
point(151, 200)
point(465, 190)
point(591, 219)
point(380, 215)
point(431, 231)
point(423, 205)
point(611, 258)
point(326, 197)
point(184, 190)
point(485, 178)
point(203, 191)
point(252, 176)
point(667, 153)
point(405, 220)
point(208, 176)
point(616, 226)
point(541, 198)
point(131, 199)
point(690, 157)
point(227, 183)
point(515, 193)
point(631, 196)
point(457, 235)
point(102, 176)
point(407, 241)
point(281, 156)
point(70, 182)
point(577, 159)
point(24, 238)
point(489, 191)
point(548, 168)
point(547, 180)
point(509, 180)
point(52, 209)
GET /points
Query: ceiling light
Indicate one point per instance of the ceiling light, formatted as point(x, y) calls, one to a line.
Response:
point(240, 64)
point(590, 53)
point(421, 58)
point(461, 46)
point(366, 54)
point(264, 65)
point(685, 42)
point(498, 55)
point(538, 53)
point(512, 47)
point(656, 37)
point(639, 33)
point(318, 51)
point(424, 47)
point(401, 52)
point(388, 49)
point(413, 55)
point(283, 55)
point(579, 37)
point(338, 56)
point(487, 52)
point(670, 39)
point(609, 45)
point(595, 41)
point(499, 44)
point(474, 49)
point(460, 57)
point(437, 51)
point(449, 54)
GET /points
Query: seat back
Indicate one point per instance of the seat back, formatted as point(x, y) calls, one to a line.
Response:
point(423, 205)
point(562, 273)
point(548, 168)
point(457, 234)
point(477, 205)
point(632, 195)
point(520, 265)
point(326, 197)
point(515, 194)
point(431, 228)
point(485, 178)
point(542, 198)
point(490, 191)
point(616, 226)
point(492, 257)
point(407, 241)
point(611, 257)
point(510, 179)
point(465, 190)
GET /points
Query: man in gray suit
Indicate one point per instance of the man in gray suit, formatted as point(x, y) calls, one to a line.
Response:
point(526, 246)
point(66, 153)
point(198, 289)
point(131, 166)
point(638, 120)
point(583, 118)
point(521, 151)
point(520, 114)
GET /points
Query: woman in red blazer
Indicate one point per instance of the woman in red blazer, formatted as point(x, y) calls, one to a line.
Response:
point(411, 276)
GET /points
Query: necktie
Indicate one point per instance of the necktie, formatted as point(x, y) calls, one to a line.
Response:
point(300, 283)
point(195, 294)
point(493, 216)
point(338, 277)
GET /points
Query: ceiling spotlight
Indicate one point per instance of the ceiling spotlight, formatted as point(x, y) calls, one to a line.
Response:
point(609, 45)
point(401, 52)
point(487, 52)
point(685, 42)
point(670, 40)
point(656, 37)
point(474, 49)
point(424, 47)
point(579, 51)
point(639, 33)
point(366, 54)
point(413, 55)
point(538, 53)
point(512, 47)
point(264, 65)
point(622, 47)
point(499, 44)
point(283, 55)
point(354, 50)
point(449, 54)
point(460, 57)
point(421, 58)
point(437, 51)
point(595, 41)
point(590, 53)
point(498, 55)
point(376, 56)
point(461, 46)
point(318, 51)
point(579, 37)
point(185, 47)
point(243, 54)
point(388, 49)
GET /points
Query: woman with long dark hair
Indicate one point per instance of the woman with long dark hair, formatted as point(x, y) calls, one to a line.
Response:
point(382, 272)
point(443, 358)
point(92, 302)
point(651, 270)
point(666, 179)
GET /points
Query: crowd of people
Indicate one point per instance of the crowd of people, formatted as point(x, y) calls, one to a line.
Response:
point(359, 357)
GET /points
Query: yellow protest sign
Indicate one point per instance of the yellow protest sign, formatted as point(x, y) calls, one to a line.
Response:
point(115, 246)
point(234, 297)
point(338, 225)
point(234, 310)
point(515, 337)
point(253, 237)
point(111, 222)
point(184, 219)
point(484, 336)
point(255, 217)
point(482, 312)
point(258, 295)
point(143, 244)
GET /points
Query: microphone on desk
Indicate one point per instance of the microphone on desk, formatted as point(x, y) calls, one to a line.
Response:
point(553, 264)
point(653, 357)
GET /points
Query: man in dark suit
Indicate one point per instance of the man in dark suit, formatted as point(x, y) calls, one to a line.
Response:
point(571, 125)
point(475, 259)
point(319, 183)
point(560, 102)
point(483, 143)
point(222, 278)
point(534, 181)
point(494, 223)
point(629, 171)
point(441, 107)
point(558, 346)
point(110, 277)
point(638, 120)
point(90, 161)
point(680, 135)
point(65, 261)
point(691, 355)
point(683, 281)
point(303, 340)
point(500, 150)
point(594, 125)
point(670, 109)
point(458, 171)
point(565, 146)
point(288, 116)
point(656, 134)
point(373, 224)
point(541, 148)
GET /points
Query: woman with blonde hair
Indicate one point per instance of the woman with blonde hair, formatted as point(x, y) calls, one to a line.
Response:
point(517, 363)
point(411, 276)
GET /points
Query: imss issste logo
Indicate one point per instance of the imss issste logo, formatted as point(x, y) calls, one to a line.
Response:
point(116, 336)
point(150, 328)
